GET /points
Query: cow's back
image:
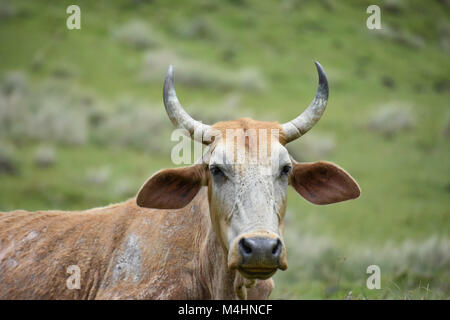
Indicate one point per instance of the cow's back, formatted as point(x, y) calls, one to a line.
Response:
point(122, 251)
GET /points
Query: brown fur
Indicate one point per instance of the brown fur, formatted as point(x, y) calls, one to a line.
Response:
point(172, 188)
point(124, 252)
point(323, 182)
point(247, 123)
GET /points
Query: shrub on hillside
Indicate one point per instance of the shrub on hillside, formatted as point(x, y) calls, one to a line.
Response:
point(136, 34)
point(8, 161)
point(410, 265)
point(312, 147)
point(135, 126)
point(45, 113)
point(402, 37)
point(200, 74)
point(44, 156)
point(391, 118)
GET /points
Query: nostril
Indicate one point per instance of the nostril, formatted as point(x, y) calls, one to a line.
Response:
point(245, 246)
point(276, 250)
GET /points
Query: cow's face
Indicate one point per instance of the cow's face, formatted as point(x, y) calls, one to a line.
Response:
point(247, 170)
point(248, 176)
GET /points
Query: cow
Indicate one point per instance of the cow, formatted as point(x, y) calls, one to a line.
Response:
point(211, 230)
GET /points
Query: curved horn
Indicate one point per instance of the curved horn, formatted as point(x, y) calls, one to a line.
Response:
point(179, 117)
point(300, 125)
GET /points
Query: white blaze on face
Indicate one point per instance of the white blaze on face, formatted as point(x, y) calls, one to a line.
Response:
point(249, 192)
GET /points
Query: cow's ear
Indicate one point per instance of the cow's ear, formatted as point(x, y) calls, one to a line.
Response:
point(323, 182)
point(172, 188)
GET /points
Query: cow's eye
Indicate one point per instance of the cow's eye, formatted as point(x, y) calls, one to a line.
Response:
point(216, 171)
point(285, 170)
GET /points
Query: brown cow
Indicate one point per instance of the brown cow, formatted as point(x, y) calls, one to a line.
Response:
point(212, 230)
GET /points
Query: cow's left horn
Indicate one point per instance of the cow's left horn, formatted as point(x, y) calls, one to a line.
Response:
point(300, 125)
point(179, 117)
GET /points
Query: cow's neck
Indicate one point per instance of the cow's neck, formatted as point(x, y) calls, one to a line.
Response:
point(219, 282)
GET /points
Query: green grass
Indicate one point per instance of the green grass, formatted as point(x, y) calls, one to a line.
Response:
point(405, 180)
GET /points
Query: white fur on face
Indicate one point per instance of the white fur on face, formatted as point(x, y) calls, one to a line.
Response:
point(250, 196)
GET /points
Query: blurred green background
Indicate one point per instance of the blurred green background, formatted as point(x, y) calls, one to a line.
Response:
point(82, 123)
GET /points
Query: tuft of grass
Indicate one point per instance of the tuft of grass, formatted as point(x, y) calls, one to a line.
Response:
point(197, 28)
point(98, 176)
point(136, 34)
point(405, 38)
point(392, 118)
point(45, 156)
point(7, 10)
point(193, 73)
point(134, 125)
point(8, 160)
point(312, 147)
point(44, 113)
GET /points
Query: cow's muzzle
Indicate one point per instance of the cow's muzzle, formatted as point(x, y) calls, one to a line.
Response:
point(259, 257)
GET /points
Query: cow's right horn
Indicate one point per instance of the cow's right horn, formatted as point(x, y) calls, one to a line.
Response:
point(179, 117)
point(304, 122)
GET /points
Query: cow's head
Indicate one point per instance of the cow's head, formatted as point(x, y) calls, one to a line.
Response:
point(247, 170)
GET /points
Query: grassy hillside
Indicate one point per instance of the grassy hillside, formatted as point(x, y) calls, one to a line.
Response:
point(82, 122)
